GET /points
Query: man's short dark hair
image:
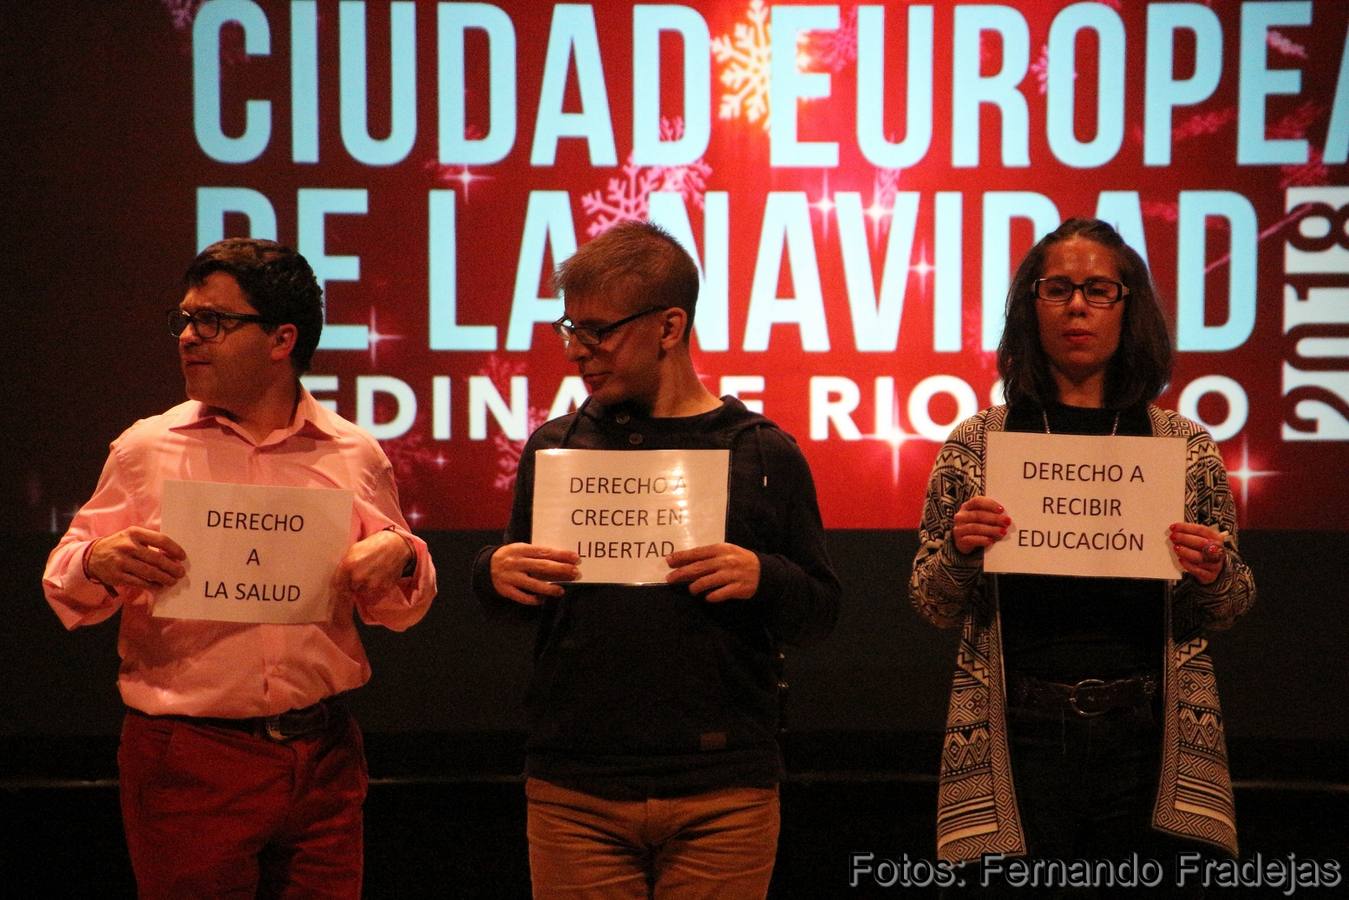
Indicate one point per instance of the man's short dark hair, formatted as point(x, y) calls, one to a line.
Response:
point(277, 281)
point(637, 263)
point(1141, 366)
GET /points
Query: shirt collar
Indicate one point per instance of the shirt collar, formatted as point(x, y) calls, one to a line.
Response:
point(310, 418)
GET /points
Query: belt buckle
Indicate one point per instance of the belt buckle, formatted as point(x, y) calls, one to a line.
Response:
point(272, 727)
point(275, 727)
point(1072, 698)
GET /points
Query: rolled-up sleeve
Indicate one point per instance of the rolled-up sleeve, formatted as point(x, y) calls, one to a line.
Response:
point(407, 602)
point(74, 598)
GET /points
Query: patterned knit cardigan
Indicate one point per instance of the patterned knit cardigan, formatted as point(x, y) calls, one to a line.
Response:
point(976, 800)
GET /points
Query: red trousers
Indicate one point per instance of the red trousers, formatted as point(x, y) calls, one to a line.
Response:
point(212, 812)
point(720, 844)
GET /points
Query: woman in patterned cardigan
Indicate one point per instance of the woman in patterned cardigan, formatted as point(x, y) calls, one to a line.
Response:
point(1083, 718)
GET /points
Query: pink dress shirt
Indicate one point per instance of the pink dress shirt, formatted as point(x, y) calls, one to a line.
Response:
point(228, 669)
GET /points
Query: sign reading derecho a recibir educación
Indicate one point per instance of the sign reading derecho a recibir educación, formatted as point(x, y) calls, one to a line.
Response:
point(255, 553)
point(623, 511)
point(1086, 505)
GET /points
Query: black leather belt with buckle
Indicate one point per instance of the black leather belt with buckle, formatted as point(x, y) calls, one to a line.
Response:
point(280, 727)
point(1086, 699)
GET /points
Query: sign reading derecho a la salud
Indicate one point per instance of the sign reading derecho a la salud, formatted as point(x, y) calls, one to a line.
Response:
point(255, 553)
point(1086, 505)
point(623, 511)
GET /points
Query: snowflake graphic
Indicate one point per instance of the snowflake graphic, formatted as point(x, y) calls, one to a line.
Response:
point(1040, 69)
point(627, 198)
point(838, 49)
point(1160, 209)
point(1279, 41)
point(1204, 123)
point(500, 371)
point(1196, 125)
point(690, 180)
point(182, 12)
point(623, 199)
point(746, 54)
point(1296, 123)
point(412, 454)
point(884, 186)
point(1169, 211)
point(508, 451)
point(1312, 172)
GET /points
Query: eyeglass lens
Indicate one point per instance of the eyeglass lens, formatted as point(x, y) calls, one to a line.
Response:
point(205, 323)
point(1094, 290)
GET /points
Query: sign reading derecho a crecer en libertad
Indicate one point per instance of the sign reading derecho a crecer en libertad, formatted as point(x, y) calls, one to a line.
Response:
point(1086, 505)
point(623, 511)
point(255, 553)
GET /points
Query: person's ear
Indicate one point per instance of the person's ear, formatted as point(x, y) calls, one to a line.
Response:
point(283, 341)
point(673, 322)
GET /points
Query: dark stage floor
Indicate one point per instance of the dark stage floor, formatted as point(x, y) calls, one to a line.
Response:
point(460, 832)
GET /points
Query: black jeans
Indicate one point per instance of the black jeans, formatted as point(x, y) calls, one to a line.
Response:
point(1085, 788)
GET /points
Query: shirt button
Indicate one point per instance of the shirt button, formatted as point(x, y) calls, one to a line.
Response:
point(622, 418)
point(634, 439)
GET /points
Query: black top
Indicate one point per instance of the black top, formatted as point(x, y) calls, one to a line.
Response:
point(1064, 629)
point(651, 691)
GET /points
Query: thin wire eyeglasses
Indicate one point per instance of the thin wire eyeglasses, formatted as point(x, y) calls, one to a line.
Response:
point(594, 335)
point(1059, 289)
point(207, 322)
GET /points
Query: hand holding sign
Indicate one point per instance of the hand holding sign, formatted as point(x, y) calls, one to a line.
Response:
point(1190, 540)
point(371, 566)
point(624, 512)
point(136, 557)
point(979, 523)
point(1086, 505)
point(256, 553)
point(526, 573)
point(726, 571)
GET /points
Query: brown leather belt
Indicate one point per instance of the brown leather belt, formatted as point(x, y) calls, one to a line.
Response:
point(1086, 699)
point(284, 726)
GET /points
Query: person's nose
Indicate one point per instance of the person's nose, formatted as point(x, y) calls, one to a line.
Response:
point(188, 337)
point(1077, 300)
point(575, 351)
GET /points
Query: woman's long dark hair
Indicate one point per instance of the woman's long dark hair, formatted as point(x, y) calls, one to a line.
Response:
point(1140, 368)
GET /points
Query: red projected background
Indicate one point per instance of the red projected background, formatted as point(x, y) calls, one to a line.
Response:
point(856, 183)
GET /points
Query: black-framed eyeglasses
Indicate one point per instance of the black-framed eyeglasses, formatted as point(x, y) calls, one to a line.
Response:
point(207, 322)
point(593, 335)
point(1059, 289)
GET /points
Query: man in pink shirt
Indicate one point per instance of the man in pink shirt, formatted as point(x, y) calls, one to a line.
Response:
point(241, 769)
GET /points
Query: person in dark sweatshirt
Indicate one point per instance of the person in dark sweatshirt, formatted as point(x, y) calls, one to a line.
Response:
point(652, 757)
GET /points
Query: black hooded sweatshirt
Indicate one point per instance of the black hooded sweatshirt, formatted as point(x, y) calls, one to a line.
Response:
point(648, 690)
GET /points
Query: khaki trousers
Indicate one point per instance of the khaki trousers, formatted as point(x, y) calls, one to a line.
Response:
point(719, 844)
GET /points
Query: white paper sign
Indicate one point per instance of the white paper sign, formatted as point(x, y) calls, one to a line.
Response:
point(1086, 505)
point(622, 511)
point(255, 553)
